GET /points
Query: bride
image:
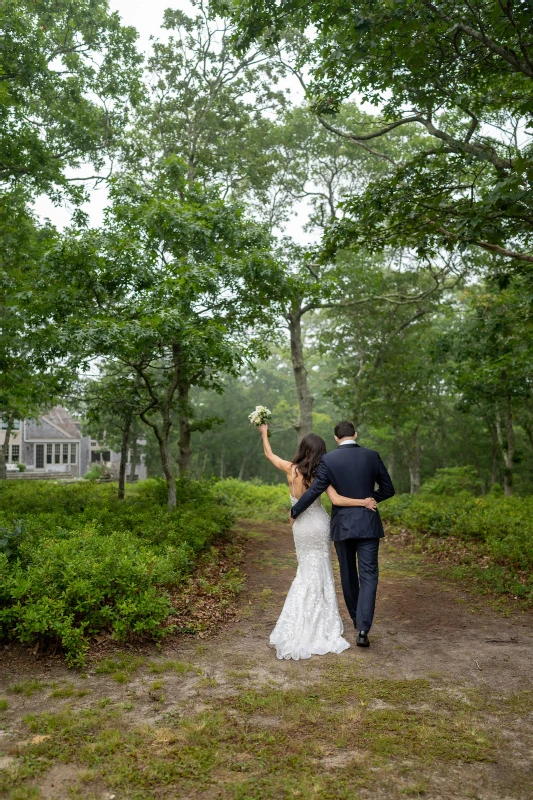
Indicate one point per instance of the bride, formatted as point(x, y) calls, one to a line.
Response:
point(310, 623)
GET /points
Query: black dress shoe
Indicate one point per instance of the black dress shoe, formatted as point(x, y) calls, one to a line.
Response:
point(362, 639)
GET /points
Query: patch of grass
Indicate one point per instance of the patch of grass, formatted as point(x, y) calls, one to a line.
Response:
point(4, 705)
point(282, 743)
point(68, 690)
point(178, 667)
point(28, 687)
point(120, 668)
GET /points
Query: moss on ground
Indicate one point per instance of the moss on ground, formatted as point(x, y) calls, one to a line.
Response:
point(344, 734)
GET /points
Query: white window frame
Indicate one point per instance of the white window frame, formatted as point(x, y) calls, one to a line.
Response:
point(17, 459)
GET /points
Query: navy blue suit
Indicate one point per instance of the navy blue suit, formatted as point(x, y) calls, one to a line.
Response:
point(354, 471)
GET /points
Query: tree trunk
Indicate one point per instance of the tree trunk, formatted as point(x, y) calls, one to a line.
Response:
point(184, 459)
point(184, 441)
point(507, 447)
point(166, 463)
point(124, 457)
point(391, 465)
point(305, 399)
point(134, 457)
point(414, 464)
point(4, 450)
point(495, 453)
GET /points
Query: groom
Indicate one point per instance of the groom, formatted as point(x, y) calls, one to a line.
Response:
point(353, 471)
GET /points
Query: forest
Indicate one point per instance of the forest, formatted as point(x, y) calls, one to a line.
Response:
point(289, 223)
point(324, 208)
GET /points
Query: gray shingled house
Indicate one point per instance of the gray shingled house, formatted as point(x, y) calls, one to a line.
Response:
point(51, 444)
point(55, 445)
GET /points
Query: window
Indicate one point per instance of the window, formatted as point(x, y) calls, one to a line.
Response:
point(48, 453)
point(106, 455)
point(72, 453)
point(57, 454)
point(15, 453)
point(16, 425)
point(95, 457)
point(65, 454)
point(39, 456)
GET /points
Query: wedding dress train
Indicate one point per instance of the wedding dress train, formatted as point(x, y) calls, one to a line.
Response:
point(310, 623)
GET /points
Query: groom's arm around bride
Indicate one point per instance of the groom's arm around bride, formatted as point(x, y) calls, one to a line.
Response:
point(353, 471)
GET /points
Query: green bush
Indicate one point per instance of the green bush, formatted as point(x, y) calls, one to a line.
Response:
point(501, 527)
point(452, 480)
point(75, 561)
point(254, 500)
point(94, 473)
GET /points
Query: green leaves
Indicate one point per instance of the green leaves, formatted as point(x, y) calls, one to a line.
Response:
point(69, 72)
point(460, 72)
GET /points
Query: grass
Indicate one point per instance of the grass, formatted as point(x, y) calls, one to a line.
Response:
point(28, 687)
point(68, 690)
point(177, 667)
point(120, 668)
point(346, 732)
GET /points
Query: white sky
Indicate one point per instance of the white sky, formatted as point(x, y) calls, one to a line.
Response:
point(146, 17)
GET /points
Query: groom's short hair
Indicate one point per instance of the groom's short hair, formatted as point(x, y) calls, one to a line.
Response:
point(343, 429)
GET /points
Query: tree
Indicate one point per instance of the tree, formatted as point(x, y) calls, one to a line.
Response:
point(68, 71)
point(458, 70)
point(492, 364)
point(175, 287)
point(32, 377)
point(206, 106)
point(111, 406)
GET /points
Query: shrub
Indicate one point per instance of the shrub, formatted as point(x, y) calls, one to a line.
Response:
point(452, 480)
point(21, 467)
point(75, 561)
point(254, 500)
point(94, 473)
point(501, 527)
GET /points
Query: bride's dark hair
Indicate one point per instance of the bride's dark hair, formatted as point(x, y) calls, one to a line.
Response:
point(310, 451)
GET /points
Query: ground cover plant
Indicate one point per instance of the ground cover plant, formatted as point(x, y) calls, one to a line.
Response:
point(75, 561)
point(254, 499)
point(490, 538)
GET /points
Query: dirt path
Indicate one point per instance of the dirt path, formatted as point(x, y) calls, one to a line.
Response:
point(440, 706)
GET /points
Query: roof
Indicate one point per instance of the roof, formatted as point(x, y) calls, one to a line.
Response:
point(61, 419)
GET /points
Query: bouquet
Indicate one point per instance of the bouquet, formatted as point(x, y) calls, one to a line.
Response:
point(260, 416)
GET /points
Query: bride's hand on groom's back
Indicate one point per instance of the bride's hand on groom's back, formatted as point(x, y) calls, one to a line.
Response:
point(370, 503)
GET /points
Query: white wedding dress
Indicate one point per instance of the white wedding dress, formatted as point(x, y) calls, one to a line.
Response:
point(310, 623)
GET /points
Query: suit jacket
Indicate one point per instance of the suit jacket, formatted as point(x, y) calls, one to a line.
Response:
point(354, 472)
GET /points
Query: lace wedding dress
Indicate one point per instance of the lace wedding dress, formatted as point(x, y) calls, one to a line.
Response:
point(310, 622)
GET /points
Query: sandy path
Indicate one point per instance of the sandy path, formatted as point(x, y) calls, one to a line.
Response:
point(428, 631)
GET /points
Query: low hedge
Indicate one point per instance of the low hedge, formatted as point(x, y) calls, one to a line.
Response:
point(255, 500)
point(75, 561)
point(499, 528)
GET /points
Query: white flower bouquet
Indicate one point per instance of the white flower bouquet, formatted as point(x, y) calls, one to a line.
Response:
point(260, 416)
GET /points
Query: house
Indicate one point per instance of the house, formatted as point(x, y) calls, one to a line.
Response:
point(53, 445)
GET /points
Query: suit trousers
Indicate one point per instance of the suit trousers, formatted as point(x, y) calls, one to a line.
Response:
point(359, 586)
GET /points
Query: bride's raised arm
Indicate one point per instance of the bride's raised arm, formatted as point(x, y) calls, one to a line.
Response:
point(339, 500)
point(279, 463)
